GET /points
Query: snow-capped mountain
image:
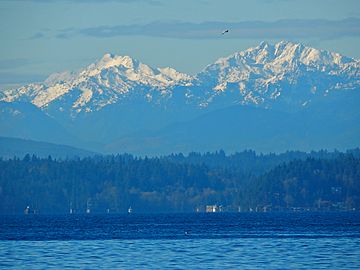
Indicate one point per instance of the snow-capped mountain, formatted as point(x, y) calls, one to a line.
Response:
point(286, 75)
point(267, 98)
point(111, 79)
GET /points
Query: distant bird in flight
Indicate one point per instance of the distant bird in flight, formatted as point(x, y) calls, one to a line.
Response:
point(225, 31)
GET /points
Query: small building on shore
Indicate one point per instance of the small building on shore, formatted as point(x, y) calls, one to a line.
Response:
point(213, 208)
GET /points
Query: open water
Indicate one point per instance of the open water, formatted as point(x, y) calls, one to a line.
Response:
point(182, 241)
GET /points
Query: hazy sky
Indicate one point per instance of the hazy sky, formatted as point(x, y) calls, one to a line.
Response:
point(39, 37)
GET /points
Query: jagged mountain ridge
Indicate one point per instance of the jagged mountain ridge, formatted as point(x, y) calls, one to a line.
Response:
point(268, 98)
point(286, 72)
point(105, 82)
point(285, 75)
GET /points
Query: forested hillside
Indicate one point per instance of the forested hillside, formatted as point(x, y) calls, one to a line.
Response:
point(243, 181)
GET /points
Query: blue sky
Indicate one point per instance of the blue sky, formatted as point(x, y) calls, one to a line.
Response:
point(39, 37)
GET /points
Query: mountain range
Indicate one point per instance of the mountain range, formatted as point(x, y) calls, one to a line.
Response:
point(269, 98)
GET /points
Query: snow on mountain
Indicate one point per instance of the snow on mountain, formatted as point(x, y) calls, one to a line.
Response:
point(105, 82)
point(289, 72)
point(286, 73)
point(59, 77)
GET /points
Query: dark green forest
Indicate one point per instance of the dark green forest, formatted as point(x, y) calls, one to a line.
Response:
point(246, 181)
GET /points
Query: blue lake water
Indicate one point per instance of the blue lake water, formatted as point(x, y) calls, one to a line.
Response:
point(182, 241)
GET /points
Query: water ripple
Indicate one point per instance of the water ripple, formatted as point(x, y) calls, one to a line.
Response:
point(276, 241)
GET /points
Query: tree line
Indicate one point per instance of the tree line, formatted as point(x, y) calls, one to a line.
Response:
point(242, 181)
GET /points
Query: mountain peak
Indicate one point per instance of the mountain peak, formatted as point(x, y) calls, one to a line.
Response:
point(263, 45)
point(263, 75)
point(296, 72)
point(108, 56)
point(113, 60)
point(285, 53)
